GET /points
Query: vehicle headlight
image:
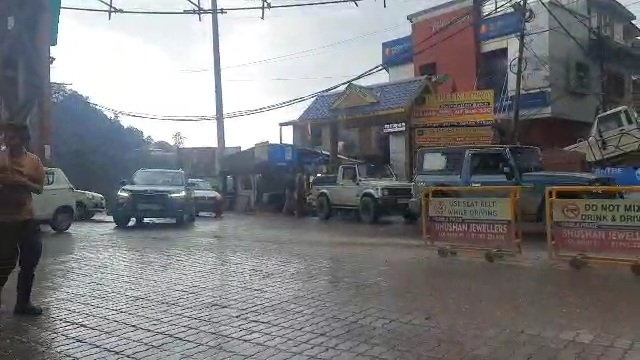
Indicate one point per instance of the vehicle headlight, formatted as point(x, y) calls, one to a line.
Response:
point(385, 192)
point(123, 194)
point(180, 194)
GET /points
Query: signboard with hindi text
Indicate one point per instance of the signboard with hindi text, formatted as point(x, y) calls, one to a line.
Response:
point(472, 108)
point(481, 222)
point(602, 226)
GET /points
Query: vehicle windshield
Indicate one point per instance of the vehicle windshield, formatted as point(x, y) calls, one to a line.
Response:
point(201, 185)
point(611, 121)
point(527, 159)
point(372, 171)
point(158, 177)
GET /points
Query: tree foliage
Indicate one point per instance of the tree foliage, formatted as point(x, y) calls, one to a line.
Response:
point(178, 139)
point(94, 150)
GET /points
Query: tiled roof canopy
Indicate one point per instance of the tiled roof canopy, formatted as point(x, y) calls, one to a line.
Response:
point(358, 101)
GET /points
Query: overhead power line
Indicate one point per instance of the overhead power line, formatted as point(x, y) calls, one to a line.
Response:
point(113, 10)
point(259, 110)
point(303, 53)
point(297, 100)
point(294, 79)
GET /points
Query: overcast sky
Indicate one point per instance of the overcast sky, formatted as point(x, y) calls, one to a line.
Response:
point(161, 64)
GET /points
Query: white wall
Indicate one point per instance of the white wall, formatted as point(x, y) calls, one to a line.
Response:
point(397, 144)
point(565, 52)
point(536, 74)
point(537, 61)
point(397, 153)
point(400, 72)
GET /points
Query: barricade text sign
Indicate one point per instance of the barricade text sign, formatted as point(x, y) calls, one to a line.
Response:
point(482, 222)
point(597, 226)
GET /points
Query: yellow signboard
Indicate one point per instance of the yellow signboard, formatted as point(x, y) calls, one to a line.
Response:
point(445, 136)
point(463, 108)
point(597, 212)
point(498, 209)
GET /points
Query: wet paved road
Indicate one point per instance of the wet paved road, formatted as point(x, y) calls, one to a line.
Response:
point(266, 287)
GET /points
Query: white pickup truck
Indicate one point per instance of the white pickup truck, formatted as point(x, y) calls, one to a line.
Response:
point(371, 190)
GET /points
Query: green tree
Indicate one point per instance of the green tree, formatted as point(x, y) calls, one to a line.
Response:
point(94, 150)
point(178, 139)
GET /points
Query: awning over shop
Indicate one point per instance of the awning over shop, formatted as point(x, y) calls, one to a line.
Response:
point(274, 157)
point(359, 101)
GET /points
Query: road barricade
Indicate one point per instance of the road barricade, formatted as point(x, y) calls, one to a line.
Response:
point(478, 219)
point(599, 230)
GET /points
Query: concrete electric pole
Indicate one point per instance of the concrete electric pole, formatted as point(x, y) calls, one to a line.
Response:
point(522, 9)
point(217, 74)
point(44, 63)
point(25, 90)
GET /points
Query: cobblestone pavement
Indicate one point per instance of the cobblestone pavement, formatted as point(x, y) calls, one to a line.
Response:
point(267, 287)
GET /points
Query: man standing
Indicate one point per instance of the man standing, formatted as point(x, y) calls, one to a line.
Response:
point(21, 175)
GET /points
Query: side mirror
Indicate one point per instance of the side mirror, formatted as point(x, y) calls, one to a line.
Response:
point(508, 172)
point(123, 182)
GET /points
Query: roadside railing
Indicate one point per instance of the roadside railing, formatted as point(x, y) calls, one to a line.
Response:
point(588, 230)
point(475, 219)
point(584, 224)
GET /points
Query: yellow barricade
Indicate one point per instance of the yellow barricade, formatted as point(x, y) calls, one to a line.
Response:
point(471, 219)
point(599, 230)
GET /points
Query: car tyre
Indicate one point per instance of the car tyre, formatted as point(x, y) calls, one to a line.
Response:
point(410, 219)
point(368, 210)
point(121, 221)
point(192, 216)
point(324, 208)
point(61, 220)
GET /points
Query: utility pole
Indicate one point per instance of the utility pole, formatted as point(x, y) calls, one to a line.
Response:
point(43, 62)
point(604, 104)
point(217, 74)
point(522, 8)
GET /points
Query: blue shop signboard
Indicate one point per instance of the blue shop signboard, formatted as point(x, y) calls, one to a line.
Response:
point(397, 51)
point(499, 26)
point(623, 176)
point(534, 100)
point(282, 154)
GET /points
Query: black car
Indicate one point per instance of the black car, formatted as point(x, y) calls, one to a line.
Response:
point(155, 193)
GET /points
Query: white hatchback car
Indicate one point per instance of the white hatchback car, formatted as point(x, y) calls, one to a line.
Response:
point(56, 205)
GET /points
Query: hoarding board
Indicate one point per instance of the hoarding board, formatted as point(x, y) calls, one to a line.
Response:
point(456, 109)
point(477, 221)
point(397, 51)
point(597, 225)
point(447, 136)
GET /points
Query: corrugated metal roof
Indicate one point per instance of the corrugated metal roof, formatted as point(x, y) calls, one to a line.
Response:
point(391, 95)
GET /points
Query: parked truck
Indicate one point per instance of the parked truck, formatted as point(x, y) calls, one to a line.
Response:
point(371, 190)
point(614, 139)
point(496, 165)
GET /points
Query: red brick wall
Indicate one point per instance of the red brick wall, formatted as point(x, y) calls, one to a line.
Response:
point(552, 133)
point(453, 49)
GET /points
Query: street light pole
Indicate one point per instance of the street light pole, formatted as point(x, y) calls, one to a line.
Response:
point(517, 95)
point(217, 74)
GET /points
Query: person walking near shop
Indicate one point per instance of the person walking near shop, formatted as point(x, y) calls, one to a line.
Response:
point(289, 195)
point(21, 175)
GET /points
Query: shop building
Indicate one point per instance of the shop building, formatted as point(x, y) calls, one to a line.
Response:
point(476, 46)
point(397, 58)
point(362, 122)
